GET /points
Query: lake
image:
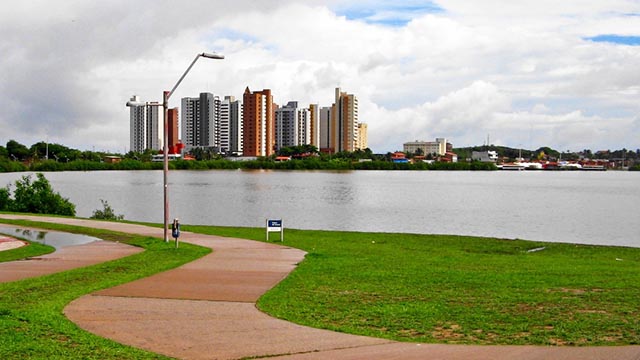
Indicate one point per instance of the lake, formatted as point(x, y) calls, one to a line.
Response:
point(563, 206)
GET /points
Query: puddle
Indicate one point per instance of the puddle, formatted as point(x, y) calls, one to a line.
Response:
point(52, 238)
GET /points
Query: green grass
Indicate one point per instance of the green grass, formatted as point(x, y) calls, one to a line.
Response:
point(455, 289)
point(30, 250)
point(31, 321)
point(420, 288)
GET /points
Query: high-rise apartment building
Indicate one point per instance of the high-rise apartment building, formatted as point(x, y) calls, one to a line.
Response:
point(344, 122)
point(144, 126)
point(190, 110)
point(314, 125)
point(258, 123)
point(224, 125)
point(324, 143)
point(199, 121)
point(137, 126)
point(172, 135)
point(235, 125)
point(230, 129)
point(362, 136)
point(153, 126)
point(293, 126)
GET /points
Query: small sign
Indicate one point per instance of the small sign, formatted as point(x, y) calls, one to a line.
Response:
point(275, 225)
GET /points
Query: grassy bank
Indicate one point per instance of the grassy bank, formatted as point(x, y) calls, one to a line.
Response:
point(31, 321)
point(33, 249)
point(455, 289)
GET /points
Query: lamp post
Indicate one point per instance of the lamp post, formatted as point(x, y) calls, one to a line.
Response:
point(165, 107)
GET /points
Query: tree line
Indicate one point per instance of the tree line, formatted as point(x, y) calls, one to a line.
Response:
point(43, 157)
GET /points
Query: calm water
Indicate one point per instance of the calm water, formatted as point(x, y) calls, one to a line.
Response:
point(52, 238)
point(578, 207)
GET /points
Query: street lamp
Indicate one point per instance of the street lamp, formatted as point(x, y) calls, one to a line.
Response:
point(165, 106)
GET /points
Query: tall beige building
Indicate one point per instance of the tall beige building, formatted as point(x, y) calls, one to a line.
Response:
point(344, 122)
point(314, 128)
point(363, 142)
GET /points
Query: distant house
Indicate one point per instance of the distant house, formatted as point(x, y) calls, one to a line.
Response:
point(449, 157)
point(484, 156)
point(112, 159)
point(399, 157)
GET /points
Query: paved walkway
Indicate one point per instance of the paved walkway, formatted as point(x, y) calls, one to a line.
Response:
point(206, 310)
point(66, 258)
point(9, 243)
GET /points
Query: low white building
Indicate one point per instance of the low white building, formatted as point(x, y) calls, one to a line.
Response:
point(438, 147)
point(484, 156)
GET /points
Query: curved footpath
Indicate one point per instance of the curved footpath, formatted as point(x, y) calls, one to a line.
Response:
point(206, 310)
point(65, 258)
point(9, 243)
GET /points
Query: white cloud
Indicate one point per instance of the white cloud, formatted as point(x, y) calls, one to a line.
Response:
point(519, 71)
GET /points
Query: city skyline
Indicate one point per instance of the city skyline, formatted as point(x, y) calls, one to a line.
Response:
point(526, 74)
point(209, 122)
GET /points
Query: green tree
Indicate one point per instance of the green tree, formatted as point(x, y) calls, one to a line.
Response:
point(17, 151)
point(5, 199)
point(39, 198)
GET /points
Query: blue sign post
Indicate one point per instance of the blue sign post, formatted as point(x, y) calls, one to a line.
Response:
point(275, 225)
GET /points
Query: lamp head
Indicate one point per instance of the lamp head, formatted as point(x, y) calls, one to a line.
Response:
point(212, 55)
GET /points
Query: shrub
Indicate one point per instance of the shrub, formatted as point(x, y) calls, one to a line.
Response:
point(39, 198)
point(11, 166)
point(106, 213)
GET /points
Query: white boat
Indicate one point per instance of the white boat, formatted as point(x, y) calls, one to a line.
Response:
point(569, 166)
point(511, 166)
point(531, 165)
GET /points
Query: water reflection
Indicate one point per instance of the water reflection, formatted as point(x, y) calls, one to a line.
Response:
point(52, 238)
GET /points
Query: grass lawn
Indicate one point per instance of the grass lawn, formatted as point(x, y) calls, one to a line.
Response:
point(421, 288)
point(454, 289)
point(33, 249)
point(31, 321)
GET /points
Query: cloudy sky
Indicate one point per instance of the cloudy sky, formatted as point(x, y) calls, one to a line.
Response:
point(564, 74)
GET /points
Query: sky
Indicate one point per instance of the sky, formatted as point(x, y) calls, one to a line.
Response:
point(523, 74)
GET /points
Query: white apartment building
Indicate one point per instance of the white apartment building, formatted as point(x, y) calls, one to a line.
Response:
point(137, 126)
point(144, 126)
point(230, 129)
point(153, 133)
point(224, 125)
